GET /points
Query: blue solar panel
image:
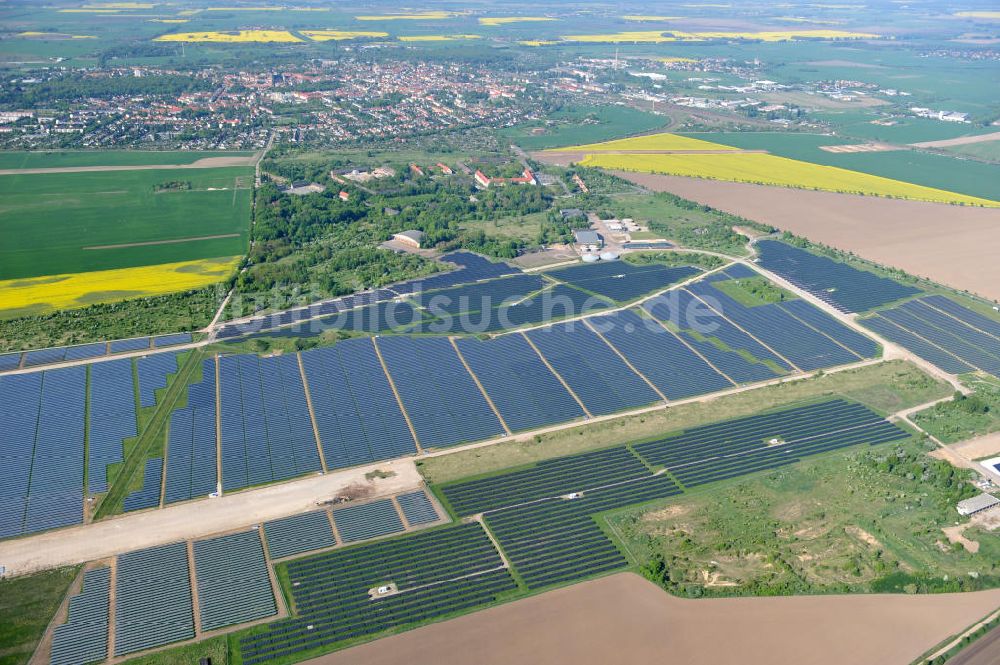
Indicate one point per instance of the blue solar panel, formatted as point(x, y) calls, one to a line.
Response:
point(152, 371)
point(369, 520)
point(623, 281)
point(865, 347)
point(525, 392)
point(20, 396)
point(417, 508)
point(171, 340)
point(84, 636)
point(233, 582)
point(922, 348)
point(10, 361)
point(659, 355)
point(149, 495)
point(84, 351)
point(472, 268)
point(112, 418)
point(443, 402)
point(191, 444)
point(598, 376)
point(357, 415)
point(153, 598)
point(55, 491)
point(44, 356)
point(298, 533)
point(842, 286)
point(974, 319)
point(123, 345)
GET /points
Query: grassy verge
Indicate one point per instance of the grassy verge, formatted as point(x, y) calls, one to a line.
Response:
point(216, 648)
point(27, 605)
point(864, 520)
point(886, 387)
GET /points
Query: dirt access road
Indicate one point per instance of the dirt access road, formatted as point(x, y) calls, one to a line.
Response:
point(953, 245)
point(626, 619)
point(196, 519)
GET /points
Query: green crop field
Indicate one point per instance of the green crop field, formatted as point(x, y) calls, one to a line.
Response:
point(583, 125)
point(73, 158)
point(48, 220)
point(921, 168)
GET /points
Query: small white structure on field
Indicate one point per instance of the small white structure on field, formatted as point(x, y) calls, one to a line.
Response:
point(977, 504)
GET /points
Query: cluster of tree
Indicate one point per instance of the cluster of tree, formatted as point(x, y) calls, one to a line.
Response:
point(57, 92)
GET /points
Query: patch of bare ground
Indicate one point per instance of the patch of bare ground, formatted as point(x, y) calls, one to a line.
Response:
point(953, 245)
point(983, 446)
point(625, 619)
point(863, 536)
point(956, 534)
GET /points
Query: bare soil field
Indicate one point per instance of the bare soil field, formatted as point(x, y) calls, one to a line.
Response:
point(195, 519)
point(953, 245)
point(962, 140)
point(980, 447)
point(625, 619)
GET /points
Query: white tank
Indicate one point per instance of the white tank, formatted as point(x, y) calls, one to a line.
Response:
point(609, 256)
point(590, 258)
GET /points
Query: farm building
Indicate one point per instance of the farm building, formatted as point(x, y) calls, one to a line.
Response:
point(977, 504)
point(526, 178)
point(412, 238)
point(588, 239)
point(303, 187)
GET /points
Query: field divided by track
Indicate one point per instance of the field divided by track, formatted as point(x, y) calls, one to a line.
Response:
point(75, 158)
point(724, 163)
point(963, 176)
point(74, 239)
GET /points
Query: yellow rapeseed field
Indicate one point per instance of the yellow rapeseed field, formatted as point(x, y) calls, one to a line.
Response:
point(504, 20)
point(650, 142)
point(337, 35)
point(773, 170)
point(661, 36)
point(418, 16)
point(436, 38)
point(41, 294)
point(238, 36)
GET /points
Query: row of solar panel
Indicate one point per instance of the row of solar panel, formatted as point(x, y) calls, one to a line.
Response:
point(942, 332)
point(836, 283)
point(38, 357)
point(372, 318)
point(312, 531)
point(364, 590)
point(153, 590)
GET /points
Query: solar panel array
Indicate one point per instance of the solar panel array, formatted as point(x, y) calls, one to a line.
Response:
point(443, 402)
point(55, 489)
point(153, 598)
point(123, 345)
point(942, 332)
point(171, 340)
point(19, 405)
point(525, 392)
point(191, 444)
point(542, 515)
point(660, 356)
point(842, 286)
point(357, 415)
point(233, 582)
point(368, 520)
point(298, 533)
point(148, 496)
point(84, 636)
point(805, 347)
point(481, 295)
point(112, 418)
point(152, 371)
point(598, 376)
point(417, 508)
point(472, 268)
point(736, 447)
point(266, 432)
point(434, 573)
point(9, 361)
point(622, 281)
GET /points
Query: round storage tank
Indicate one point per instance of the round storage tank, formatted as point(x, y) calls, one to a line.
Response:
point(590, 258)
point(609, 256)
